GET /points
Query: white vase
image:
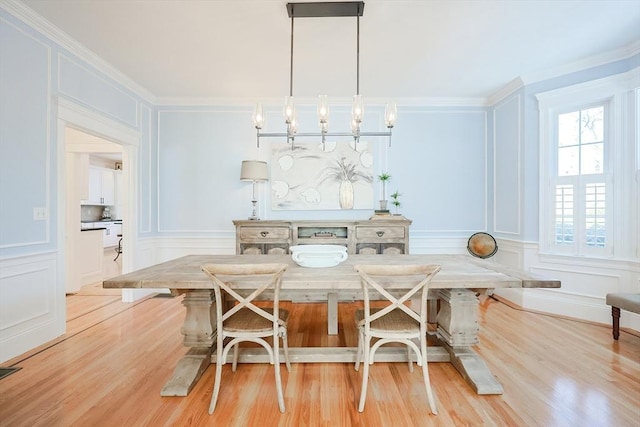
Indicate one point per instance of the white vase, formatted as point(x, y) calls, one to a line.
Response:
point(383, 205)
point(346, 195)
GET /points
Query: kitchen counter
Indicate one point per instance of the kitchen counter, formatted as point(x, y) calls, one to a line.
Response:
point(110, 228)
point(98, 225)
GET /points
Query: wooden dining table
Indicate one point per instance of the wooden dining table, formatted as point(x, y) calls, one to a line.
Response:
point(453, 292)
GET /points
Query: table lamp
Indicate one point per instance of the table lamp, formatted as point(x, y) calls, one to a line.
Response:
point(254, 171)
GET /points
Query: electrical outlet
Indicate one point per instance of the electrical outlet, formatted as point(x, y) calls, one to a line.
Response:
point(39, 214)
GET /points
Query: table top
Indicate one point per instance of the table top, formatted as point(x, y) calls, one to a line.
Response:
point(457, 271)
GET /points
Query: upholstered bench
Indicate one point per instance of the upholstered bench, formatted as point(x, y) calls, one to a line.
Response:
point(629, 302)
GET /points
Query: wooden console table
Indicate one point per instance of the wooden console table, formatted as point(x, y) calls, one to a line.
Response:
point(367, 237)
point(455, 285)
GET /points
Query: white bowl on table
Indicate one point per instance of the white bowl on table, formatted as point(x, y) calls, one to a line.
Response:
point(318, 256)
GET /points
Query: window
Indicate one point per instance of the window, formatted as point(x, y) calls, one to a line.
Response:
point(580, 203)
point(589, 168)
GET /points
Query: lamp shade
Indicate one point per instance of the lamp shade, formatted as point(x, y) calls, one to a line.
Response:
point(254, 170)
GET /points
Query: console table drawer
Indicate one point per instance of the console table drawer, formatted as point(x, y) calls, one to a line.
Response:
point(372, 234)
point(264, 233)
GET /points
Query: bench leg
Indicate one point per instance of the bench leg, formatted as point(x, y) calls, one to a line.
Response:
point(615, 313)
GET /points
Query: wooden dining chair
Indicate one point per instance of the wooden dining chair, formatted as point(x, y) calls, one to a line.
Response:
point(396, 322)
point(244, 321)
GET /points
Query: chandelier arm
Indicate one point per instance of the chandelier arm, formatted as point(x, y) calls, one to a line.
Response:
point(316, 134)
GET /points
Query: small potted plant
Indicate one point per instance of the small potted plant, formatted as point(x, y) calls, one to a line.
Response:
point(395, 200)
point(384, 178)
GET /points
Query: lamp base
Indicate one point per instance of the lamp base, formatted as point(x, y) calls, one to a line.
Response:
point(254, 212)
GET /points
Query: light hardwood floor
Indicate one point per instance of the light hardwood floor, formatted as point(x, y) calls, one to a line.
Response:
point(110, 366)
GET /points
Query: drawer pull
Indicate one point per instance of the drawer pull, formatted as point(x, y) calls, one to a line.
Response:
point(264, 233)
point(380, 233)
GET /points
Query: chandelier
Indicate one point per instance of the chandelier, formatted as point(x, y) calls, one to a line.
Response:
point(321, 10)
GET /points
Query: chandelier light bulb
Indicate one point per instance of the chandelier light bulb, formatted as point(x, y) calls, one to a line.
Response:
point(357, 109)
point(258, 116)
point(355, 126)
point(390, 114)
point(323, 109)
point(289, 109)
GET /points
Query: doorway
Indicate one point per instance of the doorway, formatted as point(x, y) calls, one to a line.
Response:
point(95, 202)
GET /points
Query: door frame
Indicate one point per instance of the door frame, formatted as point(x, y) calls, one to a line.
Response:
point(73, 115)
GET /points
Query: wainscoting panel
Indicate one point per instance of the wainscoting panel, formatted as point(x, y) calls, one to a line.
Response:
point(585, 283)
point(32, 305)
point(437, 245)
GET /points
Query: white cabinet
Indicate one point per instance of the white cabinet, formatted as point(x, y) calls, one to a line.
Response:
point(108, 187)
point(101, 187)
point(90, 256)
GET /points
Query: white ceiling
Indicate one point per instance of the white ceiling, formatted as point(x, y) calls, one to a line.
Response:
point(239, 49)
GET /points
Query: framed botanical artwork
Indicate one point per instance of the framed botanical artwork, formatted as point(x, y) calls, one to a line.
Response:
point(333, 175)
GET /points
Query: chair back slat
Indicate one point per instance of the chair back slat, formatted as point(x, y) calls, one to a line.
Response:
point(272, 280)
point(420, 272)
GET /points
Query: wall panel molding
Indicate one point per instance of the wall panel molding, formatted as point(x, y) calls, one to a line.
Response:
point(111, 106)
point(32, 304)
point(16, 123)
point(516, 163)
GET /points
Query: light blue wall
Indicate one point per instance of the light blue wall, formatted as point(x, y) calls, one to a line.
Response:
point(26, 141)
point(34, 73)
point(438, 161)
point(507, 175)
point(85, 85)
point(199, 157)
point(147, 170)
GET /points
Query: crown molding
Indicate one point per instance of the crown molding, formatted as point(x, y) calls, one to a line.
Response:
point(619, 54)
point(513, 86)
point(46, 28)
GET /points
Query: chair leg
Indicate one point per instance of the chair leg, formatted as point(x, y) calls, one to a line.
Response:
point(359, 352)
point(276, 364)
point(216, 384)
point(615, 313)
point(235, 358)
point(365, 375)
point(425, 375)
point(409, 358)
point(285, 345)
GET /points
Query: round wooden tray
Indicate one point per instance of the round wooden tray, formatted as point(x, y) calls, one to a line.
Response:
point(482, 245)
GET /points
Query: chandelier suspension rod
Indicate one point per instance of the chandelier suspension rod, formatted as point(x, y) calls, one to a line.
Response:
point(358, 55)
point(291, 57)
